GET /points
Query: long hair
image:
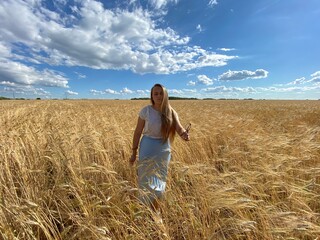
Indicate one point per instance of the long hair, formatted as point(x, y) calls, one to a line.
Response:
point(168, 121)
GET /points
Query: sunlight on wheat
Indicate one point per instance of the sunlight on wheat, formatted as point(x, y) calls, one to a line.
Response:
point(250, 171)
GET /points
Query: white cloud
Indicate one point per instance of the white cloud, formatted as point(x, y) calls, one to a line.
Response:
point(298, 81)
point(158, 4)
point(315, 77)
point(199, 28)
point(71, 92)
point(244, 74)
point(191, 83)
point(226, 49)
point(7, 83)
point(26, 90)
point(20, 74)
point(287, 89)
point(5, 50)
point(80, 75)
point(246, 90)
point(316, 74)
point(126, 91)
point(141, 92)
point(107, 91)
point(224, 89)
point(175, 91)
point(189, 90)
point(110, 91)
point(213, 3)
point(96, 92)
point(203, 79)
point(98, 38)
point(18, 22)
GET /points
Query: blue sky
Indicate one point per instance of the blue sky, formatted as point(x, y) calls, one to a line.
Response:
point(261, 49)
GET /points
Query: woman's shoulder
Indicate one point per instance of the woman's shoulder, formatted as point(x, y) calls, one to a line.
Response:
point(144, 112)
point(146, 108)
point(173, 111)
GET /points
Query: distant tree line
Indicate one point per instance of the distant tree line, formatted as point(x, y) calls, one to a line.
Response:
point(5, 98)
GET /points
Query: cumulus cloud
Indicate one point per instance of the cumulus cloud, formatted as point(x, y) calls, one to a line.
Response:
point(158, 4)
point(189, 90)
point(199, 28)
point(80, 75)
point(110, 91)
point(99, 38)
point(298, 81)
point(126, 91)
point(224, 91)
point(5, 50)
point(68, 92)
point(26, 90)
point(289, 89)
point(244, 74)
point(258, 89)
point(212, 3)
point(175, 91)
point(226, 49)
point(315, 79)
point(316, 74)
point(258, 92)
point(102, 92)
point(15, 73)
point(203, 79)
point(219, 89)
point(191, 83)
point(96, 92)
point(141, 92)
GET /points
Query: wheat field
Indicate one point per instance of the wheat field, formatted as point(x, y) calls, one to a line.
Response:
point(250, 171)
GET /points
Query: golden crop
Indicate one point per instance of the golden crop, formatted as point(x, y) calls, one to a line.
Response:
point(250, 171)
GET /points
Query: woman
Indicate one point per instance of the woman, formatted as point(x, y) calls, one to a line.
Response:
point(158, 123)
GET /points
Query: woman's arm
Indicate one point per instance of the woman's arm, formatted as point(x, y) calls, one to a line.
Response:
point(179, 129)
point(136, 139)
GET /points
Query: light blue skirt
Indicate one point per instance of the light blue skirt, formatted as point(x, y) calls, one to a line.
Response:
point(154, 158)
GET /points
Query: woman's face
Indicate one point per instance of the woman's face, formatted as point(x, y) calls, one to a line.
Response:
point(157, 95)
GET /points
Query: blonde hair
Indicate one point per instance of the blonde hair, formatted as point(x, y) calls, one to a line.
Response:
point(168, 121)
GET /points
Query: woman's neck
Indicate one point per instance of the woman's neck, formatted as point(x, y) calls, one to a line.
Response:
point(156, 107)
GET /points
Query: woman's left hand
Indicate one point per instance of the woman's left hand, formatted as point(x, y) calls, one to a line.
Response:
point(185, 136)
